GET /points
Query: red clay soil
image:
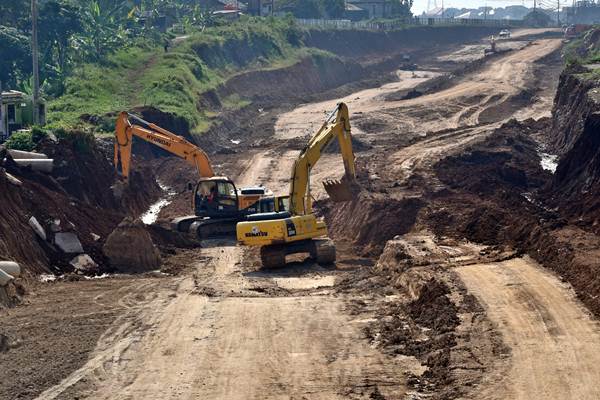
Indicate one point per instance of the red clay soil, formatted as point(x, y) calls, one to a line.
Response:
point(78, 194)
point(370, 220)
point(503, 202)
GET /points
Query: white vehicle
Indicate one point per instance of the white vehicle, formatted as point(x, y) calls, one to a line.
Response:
point(504, 33)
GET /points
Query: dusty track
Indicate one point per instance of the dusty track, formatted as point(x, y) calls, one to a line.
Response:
point(232, 332)
point(553, 340)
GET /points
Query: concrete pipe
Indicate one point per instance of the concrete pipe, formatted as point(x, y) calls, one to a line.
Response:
point(11, 268)
point(26, 155)
point(41, 165)
point(5, 278)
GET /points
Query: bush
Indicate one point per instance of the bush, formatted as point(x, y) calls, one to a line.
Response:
point(38, 134)
point(20, 141)
point(82, 141)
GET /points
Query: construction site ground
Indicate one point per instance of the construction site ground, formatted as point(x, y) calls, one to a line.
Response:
point(409, 314)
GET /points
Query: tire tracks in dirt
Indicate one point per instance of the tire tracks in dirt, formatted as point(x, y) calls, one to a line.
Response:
point(553, 339)
point(235, 333)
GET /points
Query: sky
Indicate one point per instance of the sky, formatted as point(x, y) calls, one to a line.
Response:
point(421, 5)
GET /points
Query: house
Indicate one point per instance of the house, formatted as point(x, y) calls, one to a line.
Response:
point(583, 12)
point(355, 13)
point(230, 15)
point(260, 7)
point(17, 112)
point(375, 8)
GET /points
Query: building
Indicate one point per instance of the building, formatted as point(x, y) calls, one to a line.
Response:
point(375, 8)
point(583, 12)
point(355, 13)
point(17, 112)
point(260, 7)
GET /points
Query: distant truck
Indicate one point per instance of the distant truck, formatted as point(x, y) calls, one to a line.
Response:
point(504, 34)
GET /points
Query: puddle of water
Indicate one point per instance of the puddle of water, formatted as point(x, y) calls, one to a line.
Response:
point(150, 216)
point(305, 283)
point(47, 278)
point(549, 162)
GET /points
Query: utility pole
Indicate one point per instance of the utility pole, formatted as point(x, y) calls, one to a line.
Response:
point(36, 72)
point(2, 131)
point(558, 12)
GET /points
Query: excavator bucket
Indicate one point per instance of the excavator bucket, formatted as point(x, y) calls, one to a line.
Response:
point(340, 190)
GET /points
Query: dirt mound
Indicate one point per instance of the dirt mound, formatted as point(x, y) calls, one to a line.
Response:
point(129, 248)
point(433, 309)
point(167, 240)
point(572, 105)
point(429, 324)
point(498, 194)
point(508, 160)
point(76, 198)
point(576, 184)
point(370, 220)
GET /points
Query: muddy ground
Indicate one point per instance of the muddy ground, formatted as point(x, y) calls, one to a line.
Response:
point(432, 296)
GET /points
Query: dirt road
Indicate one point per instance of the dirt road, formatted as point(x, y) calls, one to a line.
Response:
point(553, 339)
point(231, 331)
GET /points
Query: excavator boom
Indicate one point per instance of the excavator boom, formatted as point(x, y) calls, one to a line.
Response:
point(175, 144)
point(336, 125)
point(298, 230)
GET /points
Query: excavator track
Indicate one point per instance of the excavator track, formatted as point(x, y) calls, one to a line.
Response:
point(210, 229)
point(324, 251)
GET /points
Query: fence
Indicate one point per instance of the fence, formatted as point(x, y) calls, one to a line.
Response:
point(390, 25)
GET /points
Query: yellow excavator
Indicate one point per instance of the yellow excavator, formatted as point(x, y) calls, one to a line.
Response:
point(218, 205)
point(296, 229)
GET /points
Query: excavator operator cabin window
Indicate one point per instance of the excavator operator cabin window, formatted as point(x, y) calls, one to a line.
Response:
point(206, 188)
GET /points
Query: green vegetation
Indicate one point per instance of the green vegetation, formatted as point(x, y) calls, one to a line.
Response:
point(584, 50)
point(98, 57)
point(26, 140)
point(175, 80)
point(82, 141)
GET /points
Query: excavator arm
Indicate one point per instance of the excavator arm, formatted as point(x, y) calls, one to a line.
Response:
point(177, 145)
point(337, 126)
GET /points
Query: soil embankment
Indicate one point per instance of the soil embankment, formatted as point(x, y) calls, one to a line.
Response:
point(75, 199)
point(410, 319)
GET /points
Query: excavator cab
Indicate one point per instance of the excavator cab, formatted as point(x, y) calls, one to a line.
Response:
point(216, 197)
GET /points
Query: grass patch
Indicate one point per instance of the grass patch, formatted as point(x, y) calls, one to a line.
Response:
point(174, 81)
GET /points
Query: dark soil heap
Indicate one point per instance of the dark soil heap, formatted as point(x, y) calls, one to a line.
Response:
point(76, 197)
point(129, 248)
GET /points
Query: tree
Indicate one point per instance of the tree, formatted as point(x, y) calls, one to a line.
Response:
point(101, 32)
point(58, 23)
point(15, 13)
point(334, 8)
point(18, 63)
point(308, 8)
point(537, 18)
point(402, 9)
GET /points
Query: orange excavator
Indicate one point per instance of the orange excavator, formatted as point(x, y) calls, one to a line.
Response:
point(217, 203)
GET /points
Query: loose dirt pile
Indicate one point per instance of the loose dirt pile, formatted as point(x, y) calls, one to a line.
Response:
point(428, 315)
point(370, 220)
point(129, 248)
point(498, 193)
point(75, 202)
